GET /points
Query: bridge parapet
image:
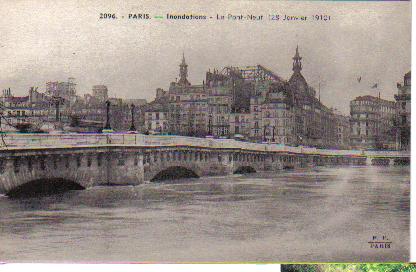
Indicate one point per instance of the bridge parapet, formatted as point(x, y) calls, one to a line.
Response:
point(10, 141)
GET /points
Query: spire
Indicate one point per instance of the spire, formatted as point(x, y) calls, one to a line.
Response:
point(183, 58)
point(183, 72)
point(297, 64)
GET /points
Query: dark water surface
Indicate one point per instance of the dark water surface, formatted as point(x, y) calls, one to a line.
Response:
point(324, 214)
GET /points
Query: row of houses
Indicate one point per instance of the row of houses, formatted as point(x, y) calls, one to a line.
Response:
point(254, 104)
point(59, 107)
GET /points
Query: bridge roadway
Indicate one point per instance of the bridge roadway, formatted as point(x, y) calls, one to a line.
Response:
point(129, 159)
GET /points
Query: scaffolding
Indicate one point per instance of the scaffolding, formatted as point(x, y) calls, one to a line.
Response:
point(255, 73)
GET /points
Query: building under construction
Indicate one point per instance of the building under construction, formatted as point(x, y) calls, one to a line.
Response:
point(255, 104)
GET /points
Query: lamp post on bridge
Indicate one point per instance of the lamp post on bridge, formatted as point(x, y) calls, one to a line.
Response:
point(58, 101)
point(273, 140)
point(264, 134)
point(132, 127)
point(107, 124)
point(210, 125)
point(57, 110)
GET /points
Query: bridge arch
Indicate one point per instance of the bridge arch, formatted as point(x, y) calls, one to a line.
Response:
point(174, 172)
point(245, 169)
point(41, 187)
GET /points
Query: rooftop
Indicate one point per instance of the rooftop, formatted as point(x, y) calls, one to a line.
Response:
point(371, 98)
point(17, 99)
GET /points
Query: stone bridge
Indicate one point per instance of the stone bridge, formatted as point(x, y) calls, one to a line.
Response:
point(126, 159)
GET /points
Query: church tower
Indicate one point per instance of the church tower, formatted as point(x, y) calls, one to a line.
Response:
point(297, 64)
point(297, 78)
point(183, 72)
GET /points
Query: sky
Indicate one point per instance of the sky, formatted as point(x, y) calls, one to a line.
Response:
point(50, 41)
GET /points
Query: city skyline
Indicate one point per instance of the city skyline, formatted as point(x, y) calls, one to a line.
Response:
point(135, 58)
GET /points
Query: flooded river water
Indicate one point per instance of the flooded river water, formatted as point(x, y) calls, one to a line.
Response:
point(322, 214)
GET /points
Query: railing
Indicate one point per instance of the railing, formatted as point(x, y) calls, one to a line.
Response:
point(8, 141)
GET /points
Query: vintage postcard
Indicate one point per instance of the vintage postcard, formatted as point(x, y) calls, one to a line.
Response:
point(205, 131)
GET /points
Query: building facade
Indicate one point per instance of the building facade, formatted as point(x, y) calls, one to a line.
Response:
point(188, 106)
point(343, 130)
point(100, 92)
point(240, 125)
point(372, 123)
point(219, 104)
point(65, 90)
point(156, 115)
point(403, 120)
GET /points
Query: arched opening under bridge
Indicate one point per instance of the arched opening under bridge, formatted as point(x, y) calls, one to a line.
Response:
point(245, 170)
point(44, 187)
point(174, 172)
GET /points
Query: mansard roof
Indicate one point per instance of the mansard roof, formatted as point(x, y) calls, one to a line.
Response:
point(408, 75)
point(157, 105)
point(17, 99)
point(371, 98)
point(297, 78)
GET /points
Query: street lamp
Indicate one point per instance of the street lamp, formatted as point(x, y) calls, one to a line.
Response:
point(264, 134)
point(274, 127)
point(132, 127)
point(107, 124)
point(57, 101)
point(209, 125)
point(57, 110)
